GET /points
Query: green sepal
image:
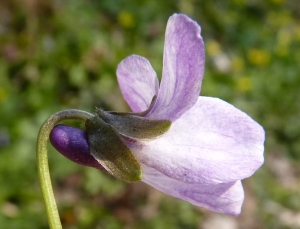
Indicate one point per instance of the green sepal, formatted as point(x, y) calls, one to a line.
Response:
point(134, 126)
point(108, 148)
point(141, 114)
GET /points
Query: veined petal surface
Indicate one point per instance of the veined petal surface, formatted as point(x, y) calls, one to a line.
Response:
point(138, 82)
point(183, 68)
point(211, 143)
point(225, 198)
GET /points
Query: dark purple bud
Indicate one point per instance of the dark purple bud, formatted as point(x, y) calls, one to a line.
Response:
point(73, 144)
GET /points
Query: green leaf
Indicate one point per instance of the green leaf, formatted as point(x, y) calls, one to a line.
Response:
point(110, 151)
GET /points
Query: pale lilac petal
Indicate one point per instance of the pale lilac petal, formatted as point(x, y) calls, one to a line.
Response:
point(183, 68)
point(211, 143)
point(138, 82)
point(224, 198)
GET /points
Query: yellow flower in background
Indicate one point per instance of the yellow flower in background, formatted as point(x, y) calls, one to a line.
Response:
point(126, 19)
point(213, 48)
point(259, 57)
point(237, 64)
point(3, 94)
point(244, 84)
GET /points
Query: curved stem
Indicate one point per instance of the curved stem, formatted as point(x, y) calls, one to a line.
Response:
point(42, 160)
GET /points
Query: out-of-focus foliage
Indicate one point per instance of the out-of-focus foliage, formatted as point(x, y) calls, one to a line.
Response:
point(63, 54)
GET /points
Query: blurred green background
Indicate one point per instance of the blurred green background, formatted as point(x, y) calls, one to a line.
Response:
point(63, 54)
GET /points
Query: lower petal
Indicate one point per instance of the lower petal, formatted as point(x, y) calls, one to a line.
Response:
point(225, 198)
point(211, 143)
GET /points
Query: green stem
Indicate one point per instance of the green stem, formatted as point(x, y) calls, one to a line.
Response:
point(42, 160)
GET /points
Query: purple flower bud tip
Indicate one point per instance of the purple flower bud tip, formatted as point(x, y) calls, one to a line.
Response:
point(73, 144)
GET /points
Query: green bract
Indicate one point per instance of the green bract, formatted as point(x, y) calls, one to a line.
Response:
point(134, 126)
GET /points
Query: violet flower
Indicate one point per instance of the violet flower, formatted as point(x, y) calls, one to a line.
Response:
point(210, 147)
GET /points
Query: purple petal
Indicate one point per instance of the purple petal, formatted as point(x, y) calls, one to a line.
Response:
point(183, 68)
point(211, 143)
point(72, 143)
point(225, 198)
point(138, 82)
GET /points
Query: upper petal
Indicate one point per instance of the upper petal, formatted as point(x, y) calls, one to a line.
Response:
point(213, 142)
point(183, 68)
point(138, 82)
point(224, 198)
